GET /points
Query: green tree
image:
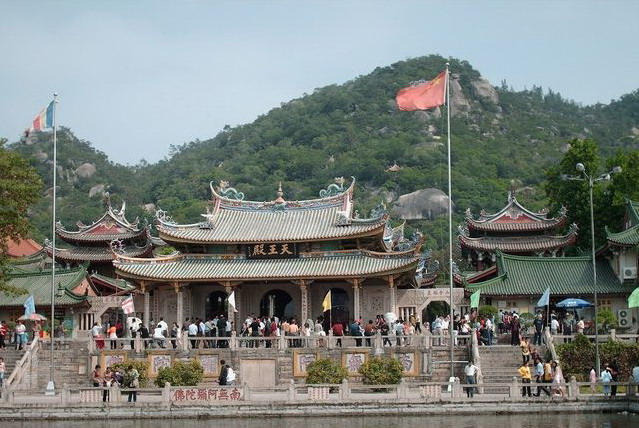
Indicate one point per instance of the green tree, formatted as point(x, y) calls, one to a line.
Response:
point(574, 195)
point(181, 374)
point(381, 371)
point(325, 370)
point(19, 188)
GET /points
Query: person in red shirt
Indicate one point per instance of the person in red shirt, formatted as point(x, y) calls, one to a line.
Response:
point(338, 330)
point(3, 333)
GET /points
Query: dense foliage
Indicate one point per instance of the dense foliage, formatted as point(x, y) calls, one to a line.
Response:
point(354, 129)
point(578, 357)
point(188, 373)
point(381, 371)
point(325, 370)
point(19, 189)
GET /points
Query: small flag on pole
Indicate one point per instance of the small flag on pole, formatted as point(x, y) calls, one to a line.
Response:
point(29, 306)
point(44, 119)
point(474, 299)
point(424, 96)
point(633, 300)
point(545, 299)
point(327, 304)
point(232, 301)
point(127, 305)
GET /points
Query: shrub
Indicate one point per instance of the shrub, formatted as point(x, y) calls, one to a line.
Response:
point(578, 357)
point(325, 370)
point(606, 320)
point(526, 319)
point(181, 374)
point(488, 311)
point(141, 366)
point(381, 371)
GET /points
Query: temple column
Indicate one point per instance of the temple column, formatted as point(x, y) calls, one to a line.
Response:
point(303, 301)
point(230, 315)
point(179, 297)
point(147, 304)
point(392, 294)
point(356, 303)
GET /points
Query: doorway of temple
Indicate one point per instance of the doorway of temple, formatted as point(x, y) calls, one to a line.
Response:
point(215, 304)
point(277, 303)
point(435, 309)
point(340, 309)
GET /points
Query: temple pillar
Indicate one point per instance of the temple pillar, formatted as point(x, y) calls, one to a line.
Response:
point(147, 304)
point(179, 297)
point(392, 294)
point(230, 314)
point(303, 301)
point(356, 299)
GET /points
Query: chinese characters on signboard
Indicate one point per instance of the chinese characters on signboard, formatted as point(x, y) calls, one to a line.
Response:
point(193, 395)
point(271, 251)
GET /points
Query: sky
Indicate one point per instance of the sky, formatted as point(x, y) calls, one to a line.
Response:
point(135, 77)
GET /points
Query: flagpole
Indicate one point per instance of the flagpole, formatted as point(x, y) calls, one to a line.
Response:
point(450, 227)
point(51, 385)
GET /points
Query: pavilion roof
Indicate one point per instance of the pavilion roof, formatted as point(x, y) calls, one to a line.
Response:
point(337, 264)
point(629, 237)
point(515, 218)
point(71, 284)
point(567, 276)
point(233, 220)
point(519, 244)
point(118, 284)
point(96, 254)
point(112, 225)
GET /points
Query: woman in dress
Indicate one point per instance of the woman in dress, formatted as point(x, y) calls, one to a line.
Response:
point(558, 379)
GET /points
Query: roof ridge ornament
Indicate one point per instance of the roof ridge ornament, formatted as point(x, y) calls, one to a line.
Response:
point(333, 189)
point(229, 192)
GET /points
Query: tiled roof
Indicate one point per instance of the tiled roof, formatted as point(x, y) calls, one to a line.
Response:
point(112, 225)
point(630, 236)
point(514, 217)
point(120, 284)
point(96, 254)
point(518, 244)
point(566, 276)
point(626, 238)
point(348, 264)
point(238, 221)
point(23, 247)
point(38, 284)
point(293, 225)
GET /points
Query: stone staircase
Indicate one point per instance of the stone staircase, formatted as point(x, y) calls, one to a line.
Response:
point(500, 363)
point(11, 357)
point(70, 364)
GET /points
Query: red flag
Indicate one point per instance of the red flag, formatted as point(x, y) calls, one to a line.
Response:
point(423, 97)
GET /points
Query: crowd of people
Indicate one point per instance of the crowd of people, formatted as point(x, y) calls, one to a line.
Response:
point(110, 378)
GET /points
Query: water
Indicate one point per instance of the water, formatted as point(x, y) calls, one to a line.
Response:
point(594, 420)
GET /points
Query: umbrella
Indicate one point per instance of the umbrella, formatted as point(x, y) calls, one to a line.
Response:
point(573, 302)
point(32, 317)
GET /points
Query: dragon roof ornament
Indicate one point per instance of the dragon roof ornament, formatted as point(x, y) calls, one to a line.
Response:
point(333, 189)
point(228, 192)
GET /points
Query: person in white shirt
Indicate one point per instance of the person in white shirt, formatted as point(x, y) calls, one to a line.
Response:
point(471, 372)
point(554, 326)
point(193, 334)
point(158, 334)
point(164, 326)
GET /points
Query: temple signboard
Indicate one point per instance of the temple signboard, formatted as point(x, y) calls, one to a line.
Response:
point(271, 250)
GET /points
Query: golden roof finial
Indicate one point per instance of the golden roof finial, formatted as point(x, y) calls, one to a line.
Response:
point(280, 199)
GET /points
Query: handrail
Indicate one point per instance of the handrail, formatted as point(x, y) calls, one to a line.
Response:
point(18, 370)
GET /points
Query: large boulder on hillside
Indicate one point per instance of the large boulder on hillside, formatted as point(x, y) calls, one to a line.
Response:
point(484, 89)
point(423, 204)
point(85, 170)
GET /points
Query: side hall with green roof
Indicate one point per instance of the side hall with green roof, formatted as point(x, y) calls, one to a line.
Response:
point(521, 280)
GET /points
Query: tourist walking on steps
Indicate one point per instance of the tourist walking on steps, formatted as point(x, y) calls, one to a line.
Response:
point(539, 377)
point(2, 370)
point(525, 350)
point(593, 380)
point(538, 323)
point(515, 327)
point(471, 372)
point(524, 372)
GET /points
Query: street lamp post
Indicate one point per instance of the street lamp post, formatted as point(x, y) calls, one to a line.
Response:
point(591, 180)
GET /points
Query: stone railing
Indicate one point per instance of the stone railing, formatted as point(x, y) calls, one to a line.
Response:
point(23, 367)
point(235, 342)
point(346, 392)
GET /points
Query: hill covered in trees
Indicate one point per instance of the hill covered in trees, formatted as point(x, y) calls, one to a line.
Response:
point(499, 137)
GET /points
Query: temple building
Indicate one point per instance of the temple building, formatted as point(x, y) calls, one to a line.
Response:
point(91, 244)
point(513, 230)
point(278, 258)
point(623, 245)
